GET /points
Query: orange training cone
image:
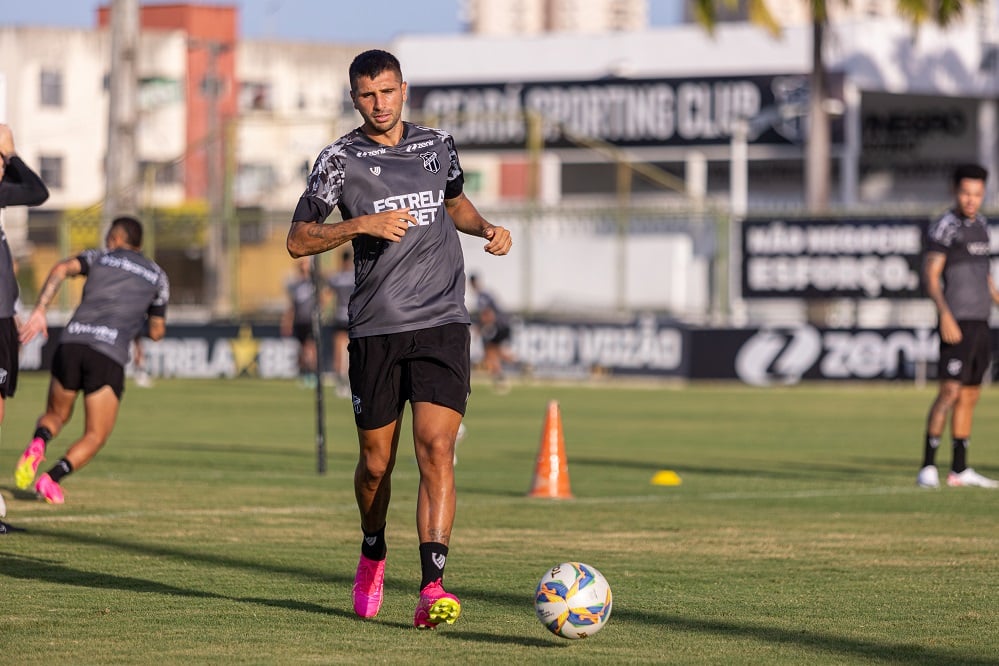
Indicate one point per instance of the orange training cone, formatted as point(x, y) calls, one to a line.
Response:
point(551, 470)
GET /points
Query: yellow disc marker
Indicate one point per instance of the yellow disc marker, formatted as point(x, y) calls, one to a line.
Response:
point(666, 477)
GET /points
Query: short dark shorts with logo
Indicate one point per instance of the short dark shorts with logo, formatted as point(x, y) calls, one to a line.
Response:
point(81, 368)
point(9, 360)
point(426, 365)
point(968, 360)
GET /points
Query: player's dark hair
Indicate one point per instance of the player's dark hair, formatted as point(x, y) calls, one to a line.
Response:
point(372, 63)
point(969, 171)
point(132, 228)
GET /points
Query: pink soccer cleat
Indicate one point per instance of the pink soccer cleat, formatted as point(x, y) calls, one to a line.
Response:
point(50, 491)
point(436, 606)
point(368, 583)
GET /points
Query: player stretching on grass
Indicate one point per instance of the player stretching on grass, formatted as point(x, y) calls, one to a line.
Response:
point(399, 189)
point(958, 254)
point(124, 291)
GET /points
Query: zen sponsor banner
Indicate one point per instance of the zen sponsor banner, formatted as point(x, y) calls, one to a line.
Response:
point(787, 355)
point(832, 258)
point(626, 112)
point(644, 346)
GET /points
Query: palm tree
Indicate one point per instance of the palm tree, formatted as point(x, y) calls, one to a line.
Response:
point(817, 147)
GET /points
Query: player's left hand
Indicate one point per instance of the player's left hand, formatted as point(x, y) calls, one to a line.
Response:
point(499, 239)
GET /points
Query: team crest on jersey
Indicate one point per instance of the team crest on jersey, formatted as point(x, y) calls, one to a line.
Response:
point(430, 162)
point(377, 170)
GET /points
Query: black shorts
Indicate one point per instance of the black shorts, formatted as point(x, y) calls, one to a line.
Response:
point(968, 359)
point(81, 368)
point(302, 332)
point(428, 365)
point(495, 335)
point(9, 350)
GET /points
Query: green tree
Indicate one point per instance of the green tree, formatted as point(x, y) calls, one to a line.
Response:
point(817, 147)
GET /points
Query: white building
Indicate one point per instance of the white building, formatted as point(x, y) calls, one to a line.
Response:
point(533, 17)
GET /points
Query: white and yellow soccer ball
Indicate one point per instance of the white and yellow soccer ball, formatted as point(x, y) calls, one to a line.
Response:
point(573, 600)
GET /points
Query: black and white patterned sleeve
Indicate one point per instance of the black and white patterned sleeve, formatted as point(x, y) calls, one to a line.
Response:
point(326, 180)
point(455, 176)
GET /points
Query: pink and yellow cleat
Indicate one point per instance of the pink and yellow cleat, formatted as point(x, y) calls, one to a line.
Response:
point(27, 465)
point(436, 606)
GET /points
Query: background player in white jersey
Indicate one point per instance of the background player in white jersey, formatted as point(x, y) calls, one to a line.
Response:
point(125, 291)
point(19, 186)
point(958, 278)
point(398, 187)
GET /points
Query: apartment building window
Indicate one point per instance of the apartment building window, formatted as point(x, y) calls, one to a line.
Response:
point(163, 173)
point(254, 181)
point(255, 96)
point(50, 91)
point(50, 170)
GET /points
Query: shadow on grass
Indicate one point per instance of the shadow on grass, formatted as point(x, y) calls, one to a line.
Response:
point(241, 448)
point(30, 568)
point(60, 574)
point(819, 642)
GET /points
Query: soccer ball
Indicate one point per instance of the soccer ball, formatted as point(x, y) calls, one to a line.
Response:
point(573, 600)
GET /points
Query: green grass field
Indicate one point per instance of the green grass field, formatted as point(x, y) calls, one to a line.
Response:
point(203, 533)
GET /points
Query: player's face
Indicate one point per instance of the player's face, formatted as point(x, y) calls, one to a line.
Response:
point(970, 194)
point(379, 101)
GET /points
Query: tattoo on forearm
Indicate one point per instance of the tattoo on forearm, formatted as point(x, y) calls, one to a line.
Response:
point(49, 290)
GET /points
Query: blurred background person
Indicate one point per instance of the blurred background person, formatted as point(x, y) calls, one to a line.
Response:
point(341, 283)
point(297, 320)
point(494, 328)
point(125, 292)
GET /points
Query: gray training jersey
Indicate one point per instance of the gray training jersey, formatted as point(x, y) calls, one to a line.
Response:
point(122, 288)
point(965, 242)
point(416, 283)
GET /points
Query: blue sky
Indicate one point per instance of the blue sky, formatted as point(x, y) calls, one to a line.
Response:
point(299, 20)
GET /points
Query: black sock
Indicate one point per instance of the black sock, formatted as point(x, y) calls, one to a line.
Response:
point(930, 449)
point(959, 462)
point(433, 557)
point(43, 433)
point(60, 469)
point(373, 545)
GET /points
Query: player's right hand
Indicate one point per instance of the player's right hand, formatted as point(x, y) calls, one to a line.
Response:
point(950, 331)
point(34, 325)
point(390, 225)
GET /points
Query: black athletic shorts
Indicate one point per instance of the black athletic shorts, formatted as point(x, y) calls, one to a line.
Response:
point(495, 335)
point(82, 368)
point(302, 332)
point(9, 349)
point(428, 365)
point(968, 359)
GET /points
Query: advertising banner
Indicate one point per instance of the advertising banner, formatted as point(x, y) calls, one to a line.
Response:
point(645, 346)
point(623, 112)
point(786, 355)
point(832, 258)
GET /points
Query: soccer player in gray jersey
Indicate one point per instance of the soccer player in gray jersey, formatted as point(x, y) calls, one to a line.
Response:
point(957, 275)
point(398, 187)
point(124, 292)
point(19, 186)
